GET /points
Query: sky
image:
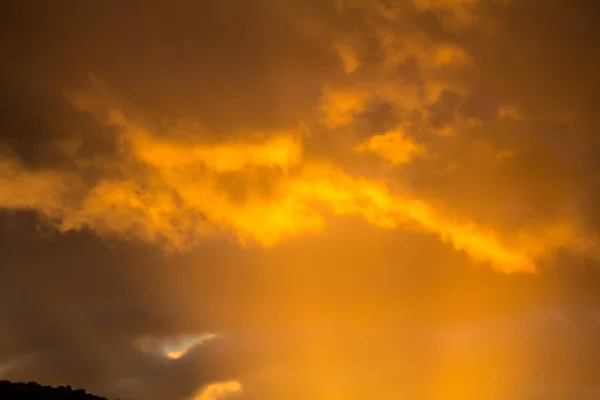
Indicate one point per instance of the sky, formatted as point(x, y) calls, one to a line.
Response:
point(301, 199)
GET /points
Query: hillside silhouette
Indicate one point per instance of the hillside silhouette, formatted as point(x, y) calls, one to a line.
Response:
point(35, 391)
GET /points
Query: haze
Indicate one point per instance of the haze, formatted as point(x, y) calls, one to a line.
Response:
point(301, 199)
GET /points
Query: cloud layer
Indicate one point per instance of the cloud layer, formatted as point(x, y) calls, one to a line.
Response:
point(361, 198)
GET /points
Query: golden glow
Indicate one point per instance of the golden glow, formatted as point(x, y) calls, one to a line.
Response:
point(219, 390)
point(276, 151)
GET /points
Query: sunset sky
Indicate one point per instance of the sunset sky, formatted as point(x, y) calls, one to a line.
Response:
point(301, 199)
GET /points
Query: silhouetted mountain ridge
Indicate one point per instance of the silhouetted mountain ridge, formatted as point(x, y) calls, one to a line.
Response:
point(35, 391)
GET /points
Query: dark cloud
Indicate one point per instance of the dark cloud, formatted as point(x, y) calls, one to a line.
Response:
point(175, 60)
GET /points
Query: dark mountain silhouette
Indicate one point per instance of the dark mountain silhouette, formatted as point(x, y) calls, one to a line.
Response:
point(35, 391)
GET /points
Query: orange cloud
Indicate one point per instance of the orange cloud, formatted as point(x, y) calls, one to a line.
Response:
point(456, 13)
point(510, 112)
point(278, 151)
point(354, 196)
point(393, 146)
point(428, 53)
point(338, 107)
point(169, 190)
point(219, 390)
point(348, 56)
point(483, 148)
point(44, 190)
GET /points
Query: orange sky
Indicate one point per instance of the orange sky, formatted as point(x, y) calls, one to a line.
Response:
point(358, 198)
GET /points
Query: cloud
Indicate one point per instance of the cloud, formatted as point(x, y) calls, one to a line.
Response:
point(349, 58)
point(216, 391)
point(173, 348)
point(167, 190)
point(334, 177)
point(339, 107)
point(392, 146)
point(44, 190)
point(455, 14)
